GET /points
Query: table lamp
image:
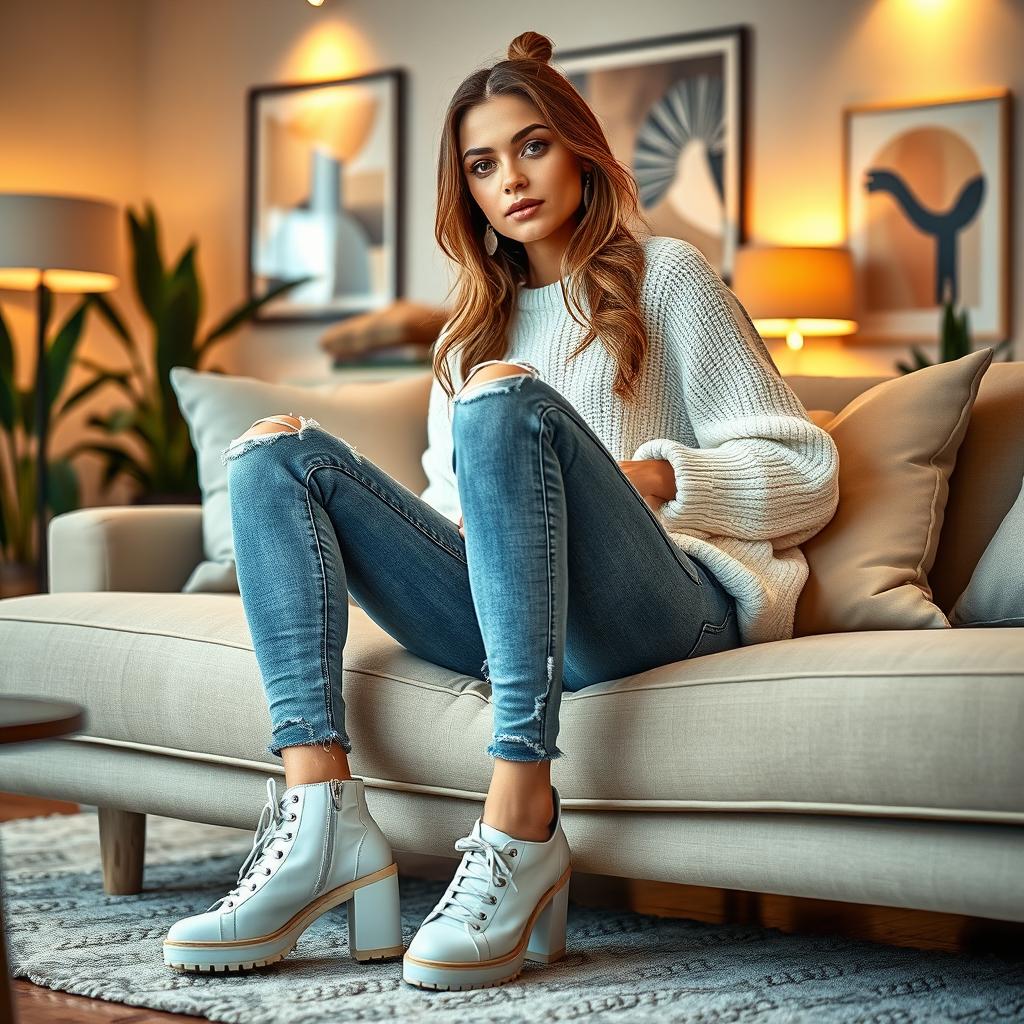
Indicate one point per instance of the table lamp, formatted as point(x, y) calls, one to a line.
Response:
point(796, 291)
point(55, 243)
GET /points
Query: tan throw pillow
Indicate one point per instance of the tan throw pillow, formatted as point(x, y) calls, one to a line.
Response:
point(897, 444)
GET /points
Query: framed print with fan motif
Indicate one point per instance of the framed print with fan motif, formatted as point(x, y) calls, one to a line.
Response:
point(672, 109)
point(927, 209)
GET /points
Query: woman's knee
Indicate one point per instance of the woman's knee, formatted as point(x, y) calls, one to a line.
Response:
point(485, 372)
point(274, 425)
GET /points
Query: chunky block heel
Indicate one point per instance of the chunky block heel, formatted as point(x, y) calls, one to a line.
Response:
point(375, 919)
point(547, 940)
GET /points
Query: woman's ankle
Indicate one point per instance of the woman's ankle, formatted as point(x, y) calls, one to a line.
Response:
point(312, 763)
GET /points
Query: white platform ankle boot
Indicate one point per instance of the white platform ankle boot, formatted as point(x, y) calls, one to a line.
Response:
point(318, 847)
point(507, 903)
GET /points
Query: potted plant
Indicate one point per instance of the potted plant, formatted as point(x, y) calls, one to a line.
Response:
point(18, 477)
point(954, 340)
point(172, 301)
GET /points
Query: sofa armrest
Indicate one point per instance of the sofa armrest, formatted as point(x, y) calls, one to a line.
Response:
point(125, 547)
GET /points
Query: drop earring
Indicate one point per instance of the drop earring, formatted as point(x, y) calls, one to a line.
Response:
point(490, 241)
point(587, 191)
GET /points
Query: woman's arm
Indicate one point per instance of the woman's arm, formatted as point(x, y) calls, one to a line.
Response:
point(763, 469)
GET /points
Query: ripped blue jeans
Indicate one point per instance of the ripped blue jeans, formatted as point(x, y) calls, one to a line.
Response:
point(565, 577)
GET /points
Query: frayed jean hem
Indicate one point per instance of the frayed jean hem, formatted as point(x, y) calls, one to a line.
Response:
point(517, 748)
point(297, 732)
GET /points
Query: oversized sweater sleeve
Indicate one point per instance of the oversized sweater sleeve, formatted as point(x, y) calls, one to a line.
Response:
point(763, 470)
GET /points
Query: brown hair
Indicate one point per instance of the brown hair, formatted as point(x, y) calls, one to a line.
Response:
point(604, 257)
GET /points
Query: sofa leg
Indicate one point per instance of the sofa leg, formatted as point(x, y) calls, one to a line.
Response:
point(122, 849)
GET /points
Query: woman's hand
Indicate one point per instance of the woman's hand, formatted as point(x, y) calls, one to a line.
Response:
point(463, 532)
point(654, 479)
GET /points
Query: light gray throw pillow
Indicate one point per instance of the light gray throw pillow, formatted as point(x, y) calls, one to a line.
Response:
point(995, 594)
point(384, 420)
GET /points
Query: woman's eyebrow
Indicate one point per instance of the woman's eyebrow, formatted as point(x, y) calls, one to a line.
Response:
point(515, 138)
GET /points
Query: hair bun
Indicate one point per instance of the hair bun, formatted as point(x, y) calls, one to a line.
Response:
point(530, 46)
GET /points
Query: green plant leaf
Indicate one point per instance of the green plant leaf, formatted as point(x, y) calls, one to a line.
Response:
point(124, 337)
point(116, 461)
point(242, 313)
point(62, 490)
point(184, 309)
point(147, 263)
point(8, 390)
point(920, 358)
point(114, 422)
point(83, 392)
point(175, 343)
point(60, 354)
point(25, 407)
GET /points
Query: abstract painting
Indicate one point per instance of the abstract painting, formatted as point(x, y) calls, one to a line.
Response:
point(926, 205)
point(672, 109)
point(323, 195)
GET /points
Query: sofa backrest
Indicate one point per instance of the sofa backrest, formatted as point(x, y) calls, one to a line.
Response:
point(985, 483)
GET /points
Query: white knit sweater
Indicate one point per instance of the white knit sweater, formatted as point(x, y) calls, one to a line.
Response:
point(754, 476)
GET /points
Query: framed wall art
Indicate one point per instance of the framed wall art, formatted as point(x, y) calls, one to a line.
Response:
point(323, 195)
point(673, 111)
point(927, 209)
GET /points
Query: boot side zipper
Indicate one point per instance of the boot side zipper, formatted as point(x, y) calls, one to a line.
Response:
point(327, 859)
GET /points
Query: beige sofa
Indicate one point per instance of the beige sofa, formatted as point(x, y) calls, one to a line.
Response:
point(883, 767)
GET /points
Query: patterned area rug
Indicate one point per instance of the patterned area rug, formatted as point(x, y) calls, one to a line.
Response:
point(65, 933)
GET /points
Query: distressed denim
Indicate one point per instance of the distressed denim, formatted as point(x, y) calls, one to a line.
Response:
point(565, 578)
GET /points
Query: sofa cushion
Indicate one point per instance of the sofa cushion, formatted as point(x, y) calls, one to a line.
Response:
point(995, 594)
point(371, 415)
point(892, 723)
point(898, 443)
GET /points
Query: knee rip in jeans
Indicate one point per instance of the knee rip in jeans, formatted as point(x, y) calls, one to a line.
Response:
point(246, 442)
point(495, 385)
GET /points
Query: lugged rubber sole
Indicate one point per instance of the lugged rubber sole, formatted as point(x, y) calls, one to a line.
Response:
point(543, 929)
point(373, 917)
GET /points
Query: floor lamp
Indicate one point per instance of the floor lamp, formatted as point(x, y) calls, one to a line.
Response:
point(54, 243)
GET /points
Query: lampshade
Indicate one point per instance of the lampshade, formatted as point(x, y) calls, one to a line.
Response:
point(803, 289)
point(73, 241)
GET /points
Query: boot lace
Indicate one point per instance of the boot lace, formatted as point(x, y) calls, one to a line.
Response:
point(482, 863)
point(275, 827)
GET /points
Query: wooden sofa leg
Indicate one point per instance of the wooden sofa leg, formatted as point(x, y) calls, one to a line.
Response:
point(122, 849)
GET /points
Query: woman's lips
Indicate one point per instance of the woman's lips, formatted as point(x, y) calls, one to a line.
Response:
point(527, 211)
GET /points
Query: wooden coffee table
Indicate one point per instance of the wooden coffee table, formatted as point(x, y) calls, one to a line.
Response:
point(23, 719)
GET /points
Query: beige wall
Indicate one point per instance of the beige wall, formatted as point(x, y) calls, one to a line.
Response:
point(146, 98)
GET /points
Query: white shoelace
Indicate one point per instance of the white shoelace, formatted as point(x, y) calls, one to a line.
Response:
point(480, 854)
point(266, 833)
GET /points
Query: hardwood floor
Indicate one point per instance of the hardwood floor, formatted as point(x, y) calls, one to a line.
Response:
point(920, 929)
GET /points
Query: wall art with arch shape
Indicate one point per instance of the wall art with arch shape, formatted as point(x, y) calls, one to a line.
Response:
point(927, 208)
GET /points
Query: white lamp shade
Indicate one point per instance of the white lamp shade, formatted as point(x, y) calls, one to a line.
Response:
point(72, 241)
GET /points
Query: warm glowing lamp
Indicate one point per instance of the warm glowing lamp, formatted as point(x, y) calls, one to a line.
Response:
point(794, 292)
point(51, 243)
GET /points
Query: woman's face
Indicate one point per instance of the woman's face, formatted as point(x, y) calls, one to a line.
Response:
point(512, 157)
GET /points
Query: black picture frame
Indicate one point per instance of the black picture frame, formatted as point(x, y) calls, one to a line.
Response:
point(638, 89)
point(371, 226)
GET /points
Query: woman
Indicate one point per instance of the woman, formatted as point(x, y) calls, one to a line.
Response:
point(539, 557)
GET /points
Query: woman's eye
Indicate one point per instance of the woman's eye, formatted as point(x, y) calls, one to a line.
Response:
point(532, 142)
